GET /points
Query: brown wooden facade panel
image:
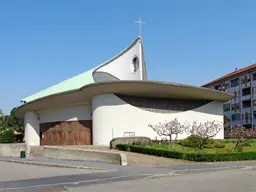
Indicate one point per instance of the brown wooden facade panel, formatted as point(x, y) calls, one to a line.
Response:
point(66, 133)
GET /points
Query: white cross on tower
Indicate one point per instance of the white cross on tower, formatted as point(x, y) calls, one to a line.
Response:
point(140, 22)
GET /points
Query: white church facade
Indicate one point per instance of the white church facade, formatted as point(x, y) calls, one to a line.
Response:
point(112, 100)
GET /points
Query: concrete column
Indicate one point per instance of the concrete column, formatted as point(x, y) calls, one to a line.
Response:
point(32, 129)
point(101, 119)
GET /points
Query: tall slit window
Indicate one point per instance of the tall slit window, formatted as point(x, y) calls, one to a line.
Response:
point(135, 64)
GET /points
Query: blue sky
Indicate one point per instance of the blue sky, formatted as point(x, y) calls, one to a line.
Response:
point(190, 42)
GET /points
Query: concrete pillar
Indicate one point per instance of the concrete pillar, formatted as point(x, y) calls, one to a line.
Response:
point(32, 129)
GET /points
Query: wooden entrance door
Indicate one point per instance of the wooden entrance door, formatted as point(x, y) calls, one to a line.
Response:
point(66, 133)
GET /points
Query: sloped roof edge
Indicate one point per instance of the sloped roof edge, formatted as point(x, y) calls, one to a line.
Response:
point(229, 75)
point(75, 82)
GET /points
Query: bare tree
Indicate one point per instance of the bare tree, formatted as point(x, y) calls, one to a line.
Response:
point(242, 135)
point(170, 128)
point(206, 131)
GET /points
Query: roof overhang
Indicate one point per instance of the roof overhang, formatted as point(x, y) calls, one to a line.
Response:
point(130, 88)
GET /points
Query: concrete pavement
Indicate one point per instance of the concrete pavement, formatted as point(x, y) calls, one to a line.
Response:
point(23, 177)
point(224, 181)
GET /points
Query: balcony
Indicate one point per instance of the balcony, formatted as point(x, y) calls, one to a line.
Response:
point(236, 123)
point(227, 113)
point(246, 85)
point(246, 110)
point(246, 93)
point(236, 88)
point(246, 97)
point(253, 83)
point(247, 122)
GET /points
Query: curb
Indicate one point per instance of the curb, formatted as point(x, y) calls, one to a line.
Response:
point(249, 168)
point(52, 165)
point(181, 172)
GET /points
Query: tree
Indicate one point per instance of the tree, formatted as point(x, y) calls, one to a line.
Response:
point(206, 130)
point(10, 121)
point(1, 112)
point(242, 135)
point(169, 128)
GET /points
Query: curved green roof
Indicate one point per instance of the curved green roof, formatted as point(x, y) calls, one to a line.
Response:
point(73, 83)
point(67, 85)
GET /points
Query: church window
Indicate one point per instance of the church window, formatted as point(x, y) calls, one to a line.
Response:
point(135, 64)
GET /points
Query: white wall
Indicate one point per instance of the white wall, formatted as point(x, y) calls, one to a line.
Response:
point(121, 67)
point(33, 119)
point(70, 113)
point(112, 117)
point(31, 125)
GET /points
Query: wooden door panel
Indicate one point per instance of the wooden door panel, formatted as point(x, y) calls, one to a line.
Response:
point(66, 133)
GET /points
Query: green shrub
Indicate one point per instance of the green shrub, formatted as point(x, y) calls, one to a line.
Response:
point(7, 136)
point(234, 141)
point(248, 144)
point(191, 141)
point(199, 157)
point(194, 141)
point(219, 145)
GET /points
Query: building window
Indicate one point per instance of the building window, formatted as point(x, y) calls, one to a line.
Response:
point(245, 79)
point(226, 107)
point(217, 87)
point(246, 103)
point(226, 86)
point(254, 114)
point(235, 117)
point(235, 82)
point(254, 102)
point(254, 76)
point(246, 117)
point(246, 91)
point(135, 64)
point(226, 119)
point(235, 107)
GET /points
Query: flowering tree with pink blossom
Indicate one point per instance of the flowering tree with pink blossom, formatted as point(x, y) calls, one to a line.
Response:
point(242, 134)
point(205, 131)
point(170, 128)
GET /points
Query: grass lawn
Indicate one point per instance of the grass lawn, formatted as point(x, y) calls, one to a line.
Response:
point(180, 148)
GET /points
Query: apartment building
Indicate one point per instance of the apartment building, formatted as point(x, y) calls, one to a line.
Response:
point(241, 110)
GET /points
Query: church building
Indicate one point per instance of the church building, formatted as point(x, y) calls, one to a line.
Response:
point(114, 99)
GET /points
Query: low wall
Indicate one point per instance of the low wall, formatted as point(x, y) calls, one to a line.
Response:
point(128, 140)
point(12, 149)
point(85, 155)
point(36, 151)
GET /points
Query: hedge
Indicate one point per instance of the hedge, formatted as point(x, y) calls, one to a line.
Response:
point(199, 157)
